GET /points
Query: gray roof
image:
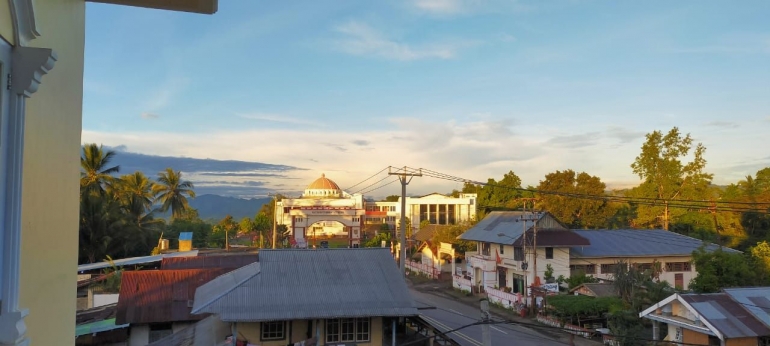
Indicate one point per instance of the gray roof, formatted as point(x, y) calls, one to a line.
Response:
point(754, 299)
point(208, 331)
point(511, 224)
point(290, 284)
point(637, 243)
point(134, 260)
point(726, 315)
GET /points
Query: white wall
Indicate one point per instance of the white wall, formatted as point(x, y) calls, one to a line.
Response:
point(140, 335)
point(105, 299)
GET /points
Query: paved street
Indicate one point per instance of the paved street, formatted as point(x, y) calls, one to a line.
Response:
point(450, 314)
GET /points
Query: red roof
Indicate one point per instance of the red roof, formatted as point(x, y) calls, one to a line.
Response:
point(161, 295)
point(217, 261)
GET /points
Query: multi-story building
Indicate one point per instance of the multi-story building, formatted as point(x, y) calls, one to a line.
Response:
point(324, 211)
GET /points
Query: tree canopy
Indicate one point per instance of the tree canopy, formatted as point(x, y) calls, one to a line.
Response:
point(577, 213)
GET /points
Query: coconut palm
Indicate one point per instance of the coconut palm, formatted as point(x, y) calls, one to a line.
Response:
point(135, 191)
point(172, 192)
point(95, 175)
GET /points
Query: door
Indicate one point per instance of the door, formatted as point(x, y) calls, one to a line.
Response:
point(501, 279)
point(679, 281)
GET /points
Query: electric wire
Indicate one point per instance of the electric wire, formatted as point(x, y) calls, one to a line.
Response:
point(372, 184)
point(365, 180)
point(379, 187)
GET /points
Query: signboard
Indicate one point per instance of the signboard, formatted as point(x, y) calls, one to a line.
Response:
point(447, 247)
point(554, 287)
point(329, 212)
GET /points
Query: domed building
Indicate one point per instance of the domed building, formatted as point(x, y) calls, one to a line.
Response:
point(322, 187)
point(326, 213)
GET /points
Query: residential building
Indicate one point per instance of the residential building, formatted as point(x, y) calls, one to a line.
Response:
point(41, 71)
point(670, 251)
point(595, 289)
point(336, 296)
point(509, 255)
point(736, 316)
point(326, 211)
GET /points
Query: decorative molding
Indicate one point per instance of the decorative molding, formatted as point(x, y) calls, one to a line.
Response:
point(12, 329)
point(24, 23)
point(28, 67)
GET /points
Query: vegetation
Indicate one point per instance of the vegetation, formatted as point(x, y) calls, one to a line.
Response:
point(573, 308)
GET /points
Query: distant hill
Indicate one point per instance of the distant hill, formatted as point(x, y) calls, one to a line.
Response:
point(215, 207)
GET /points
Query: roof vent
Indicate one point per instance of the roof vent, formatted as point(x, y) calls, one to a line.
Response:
point(667, 310)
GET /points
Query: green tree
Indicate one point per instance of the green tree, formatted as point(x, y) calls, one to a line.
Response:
point(503, 194)
point(95, 172)
point(223, 231)
point(666, 178)
point(760, 259)
point(575, 212)
point(392, 198)
point(449, 234)
point(172, 192)
point(720, 269)
point(376, 241)
point(580, 278)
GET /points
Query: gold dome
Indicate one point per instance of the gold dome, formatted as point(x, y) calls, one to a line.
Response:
point(323, 183)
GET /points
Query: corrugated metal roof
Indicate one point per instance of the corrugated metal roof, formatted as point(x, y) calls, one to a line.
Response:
point(598, 289)
point(148, 296)
point(216, 261)
point(426, 233)
point(755, 300)
point(726, 315)
point(134, 260)
point(511, 224)
point(208, 331)
point(302, 284)
point(98, 327)
point(637, 242)
point(185, 235)
point(554, 238)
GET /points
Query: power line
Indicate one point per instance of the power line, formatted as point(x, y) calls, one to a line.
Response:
point(379, 187)
point(363, 181)
point(372, 184)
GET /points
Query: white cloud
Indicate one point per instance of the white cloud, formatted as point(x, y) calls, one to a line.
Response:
point(278, 118)
point(150, 116)
point(166, 93)
point(361, 39)
point(439, 6)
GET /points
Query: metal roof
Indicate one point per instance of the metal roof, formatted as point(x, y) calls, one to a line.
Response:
point(511, 224)
point(754, 299)
point(598, 289)
point(214, 261)
point(553, 238)
point(293, 284)
point(148, 296)
point(729, 317)
point(134, 260)
point(185, 235)
point(638, 242)
point(208, 331)
point(98, 327)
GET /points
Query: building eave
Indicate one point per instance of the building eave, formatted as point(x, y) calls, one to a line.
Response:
point(192, 6)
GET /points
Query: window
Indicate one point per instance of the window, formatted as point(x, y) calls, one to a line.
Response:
point(391, 218)
point(643, 266)
point(678, 267)
point(518, 254)
point(356, 219)
point(298, 219)
point(549, 253)
point(159, 331)
point(762, 341)
point(502, 249)
point(485, 249)
point(348, 330)
point(608, 268)
point(588, 269)
point(274, 330)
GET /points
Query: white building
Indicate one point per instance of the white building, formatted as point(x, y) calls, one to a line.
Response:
point(324, 211)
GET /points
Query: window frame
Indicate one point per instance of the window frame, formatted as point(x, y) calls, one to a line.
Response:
point(549, 252)
point(334, 330)
point(262, 330)
point(678, 267)
point(518, 254)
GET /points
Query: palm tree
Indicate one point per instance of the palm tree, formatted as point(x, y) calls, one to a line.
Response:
point(135, 191)
point(95, 175)
point(171, 190)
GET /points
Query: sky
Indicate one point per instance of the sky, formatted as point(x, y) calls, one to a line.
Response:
point(470, 88)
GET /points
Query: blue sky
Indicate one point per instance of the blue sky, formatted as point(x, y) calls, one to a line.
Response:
point(472, 88)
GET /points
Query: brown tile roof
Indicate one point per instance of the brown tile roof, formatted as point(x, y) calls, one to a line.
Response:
point(161, 295)
point(555, 238)
point(214, 261)
point(426, 233)
point(599, 289)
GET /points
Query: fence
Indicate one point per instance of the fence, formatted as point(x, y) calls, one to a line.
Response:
point(569, 328)
point(507, 300)
point(425, 269)
point(461, 283)
point(609, 340)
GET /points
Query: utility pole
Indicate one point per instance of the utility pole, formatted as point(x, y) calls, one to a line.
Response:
point(665, 216)
point(275, 213)
point(486, 337)
point(405, 178)
point(534, 262)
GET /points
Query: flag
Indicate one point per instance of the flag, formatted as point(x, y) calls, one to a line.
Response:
point(497, 255)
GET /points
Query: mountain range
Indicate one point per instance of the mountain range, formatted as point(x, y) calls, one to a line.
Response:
point(213, 208)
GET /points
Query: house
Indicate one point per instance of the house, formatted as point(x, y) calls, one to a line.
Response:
point(41, 72)
point(669, 251)
point(338, 296)
point(509, 252)
point(96, 326)
point(595, 289)
point(736, 316)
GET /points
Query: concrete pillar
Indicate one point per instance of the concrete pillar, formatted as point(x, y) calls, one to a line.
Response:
point(655, 330)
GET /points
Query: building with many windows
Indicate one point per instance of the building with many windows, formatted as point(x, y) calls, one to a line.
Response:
point(325, 212)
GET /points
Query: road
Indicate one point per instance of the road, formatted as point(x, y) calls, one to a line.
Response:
point(450, 314)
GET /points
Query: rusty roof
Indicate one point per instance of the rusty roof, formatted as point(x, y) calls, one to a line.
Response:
point(553, 238)
point(426, 233)
point(161, 295)
point(728, 316)
point(200, 262)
